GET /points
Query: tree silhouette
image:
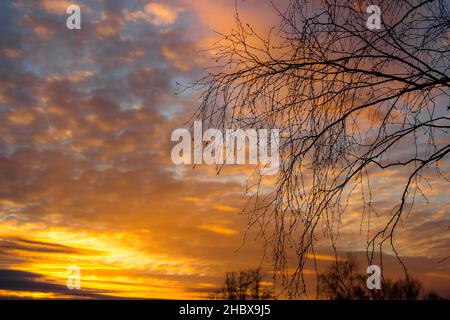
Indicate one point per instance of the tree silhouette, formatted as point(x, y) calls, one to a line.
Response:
point(346, 98)
point(243, 285)
point(341, 281)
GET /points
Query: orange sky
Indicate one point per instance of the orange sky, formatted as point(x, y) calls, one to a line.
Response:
point(85, 123)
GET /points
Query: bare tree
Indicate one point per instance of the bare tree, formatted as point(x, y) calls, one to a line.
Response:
point(244, 285)
point(405, 289)
point(346, 99)
point(343, 282)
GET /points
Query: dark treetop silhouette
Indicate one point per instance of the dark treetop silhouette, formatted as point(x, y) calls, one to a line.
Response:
point(341, 281)
point(244, 285)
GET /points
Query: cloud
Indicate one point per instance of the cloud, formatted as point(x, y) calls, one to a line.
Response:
point(155, 14)
point(58, 7)
point(218, 229)
point(12, 53)
point(225, 208)
point(21, 244)
point(161, 14)
point(12, 281)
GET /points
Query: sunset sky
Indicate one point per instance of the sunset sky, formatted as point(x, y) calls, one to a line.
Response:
point(86, 175)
